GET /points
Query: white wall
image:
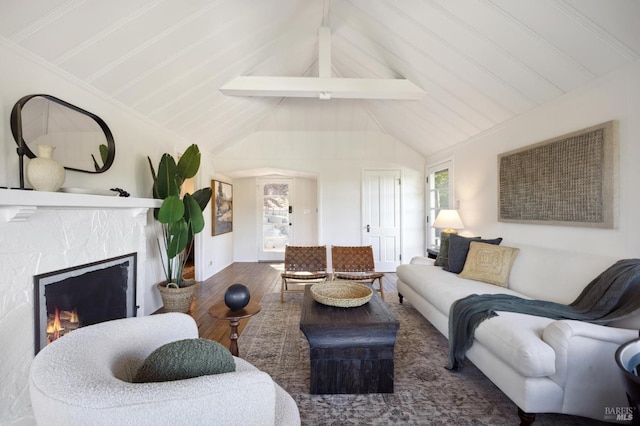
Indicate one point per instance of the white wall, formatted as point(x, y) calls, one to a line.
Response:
point(305, 212)
point(135, 138)
point(338, 160)
point(614, 97)
point(212, 253)
point(245, 207)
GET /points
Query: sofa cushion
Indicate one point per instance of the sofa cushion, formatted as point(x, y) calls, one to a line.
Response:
point(458, 249)
point(442, 288)
point(421, 260)
point(443, 254)
point(516, 339)
point(489, 263)
point(512, 337)
point(184, 359)
point(548, 274)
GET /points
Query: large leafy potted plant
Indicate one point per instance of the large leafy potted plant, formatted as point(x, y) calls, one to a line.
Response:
point(180, 220)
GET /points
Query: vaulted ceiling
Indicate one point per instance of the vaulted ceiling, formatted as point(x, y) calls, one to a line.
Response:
point(480, 62)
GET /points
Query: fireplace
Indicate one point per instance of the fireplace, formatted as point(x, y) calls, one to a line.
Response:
point(87, 294)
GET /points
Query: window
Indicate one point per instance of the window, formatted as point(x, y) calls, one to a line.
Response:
point(439, 196)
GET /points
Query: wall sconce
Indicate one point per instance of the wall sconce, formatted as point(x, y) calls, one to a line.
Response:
point(449, 220)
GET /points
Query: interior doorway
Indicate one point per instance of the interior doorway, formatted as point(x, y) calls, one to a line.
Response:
point(276, 230)
point(287, 213)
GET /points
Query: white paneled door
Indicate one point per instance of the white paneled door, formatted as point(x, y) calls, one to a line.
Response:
point(381, 217)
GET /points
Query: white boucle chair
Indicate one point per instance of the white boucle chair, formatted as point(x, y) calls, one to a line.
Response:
point(84, 378)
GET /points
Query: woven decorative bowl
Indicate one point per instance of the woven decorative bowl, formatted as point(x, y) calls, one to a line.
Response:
point(341, 294)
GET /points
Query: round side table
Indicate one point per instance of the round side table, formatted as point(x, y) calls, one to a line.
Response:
point(222, 311)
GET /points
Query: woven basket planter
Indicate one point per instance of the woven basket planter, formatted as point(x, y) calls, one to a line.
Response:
point(178, 299)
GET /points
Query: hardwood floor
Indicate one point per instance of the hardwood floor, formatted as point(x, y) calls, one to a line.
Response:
point(260, 278)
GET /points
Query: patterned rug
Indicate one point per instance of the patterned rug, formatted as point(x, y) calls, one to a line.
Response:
point(425, 392)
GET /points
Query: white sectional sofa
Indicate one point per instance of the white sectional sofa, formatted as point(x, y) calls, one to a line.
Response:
point(542, 365)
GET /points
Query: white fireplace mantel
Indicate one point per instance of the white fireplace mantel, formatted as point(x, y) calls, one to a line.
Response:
point(19, 205)
point(42, 232)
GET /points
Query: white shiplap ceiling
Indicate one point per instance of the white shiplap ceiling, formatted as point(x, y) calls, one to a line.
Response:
point(481, 62)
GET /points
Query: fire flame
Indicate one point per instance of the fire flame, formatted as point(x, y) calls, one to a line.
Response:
point(55, 328)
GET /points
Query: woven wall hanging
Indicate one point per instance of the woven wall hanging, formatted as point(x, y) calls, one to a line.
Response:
point(568, 180)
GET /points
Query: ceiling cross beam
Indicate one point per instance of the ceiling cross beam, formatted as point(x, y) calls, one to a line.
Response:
point(324, 86)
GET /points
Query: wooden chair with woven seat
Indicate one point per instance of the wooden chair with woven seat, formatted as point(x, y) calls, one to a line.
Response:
point(355, 263)
point(303, 265)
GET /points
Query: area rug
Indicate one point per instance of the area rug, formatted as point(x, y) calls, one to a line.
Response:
point(425, 392)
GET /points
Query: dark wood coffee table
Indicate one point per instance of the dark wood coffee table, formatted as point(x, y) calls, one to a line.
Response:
point(351, 349)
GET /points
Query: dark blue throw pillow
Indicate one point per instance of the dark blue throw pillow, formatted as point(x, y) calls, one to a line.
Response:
point(458, 249)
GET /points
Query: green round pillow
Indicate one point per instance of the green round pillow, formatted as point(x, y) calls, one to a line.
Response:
point(184, 359)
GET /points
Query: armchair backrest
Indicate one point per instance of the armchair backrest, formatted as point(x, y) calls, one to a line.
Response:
point(305, 258)
point(352, 258)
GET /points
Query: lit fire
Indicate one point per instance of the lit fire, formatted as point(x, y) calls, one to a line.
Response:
point(61, 323)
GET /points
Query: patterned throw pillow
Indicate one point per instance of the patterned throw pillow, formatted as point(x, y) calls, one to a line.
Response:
point(184, 359)
point(443, 254)
point(489, 263)
point(458, 249)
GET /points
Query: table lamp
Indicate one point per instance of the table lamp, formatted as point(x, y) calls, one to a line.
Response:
point(449, 220)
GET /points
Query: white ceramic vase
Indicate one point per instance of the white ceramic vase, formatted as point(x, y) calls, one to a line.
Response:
point(43, 172)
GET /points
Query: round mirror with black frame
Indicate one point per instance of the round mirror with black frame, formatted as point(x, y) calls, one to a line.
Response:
point(82, 140)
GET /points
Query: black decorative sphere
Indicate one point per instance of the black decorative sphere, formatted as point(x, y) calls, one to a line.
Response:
point(237, 296)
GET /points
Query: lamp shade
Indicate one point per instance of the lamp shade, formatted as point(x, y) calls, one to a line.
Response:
point(448, 219)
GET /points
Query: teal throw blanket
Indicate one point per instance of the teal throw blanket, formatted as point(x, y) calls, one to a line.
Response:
point(612, 295)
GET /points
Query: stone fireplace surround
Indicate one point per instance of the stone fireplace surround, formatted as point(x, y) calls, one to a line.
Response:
point(42, 232)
